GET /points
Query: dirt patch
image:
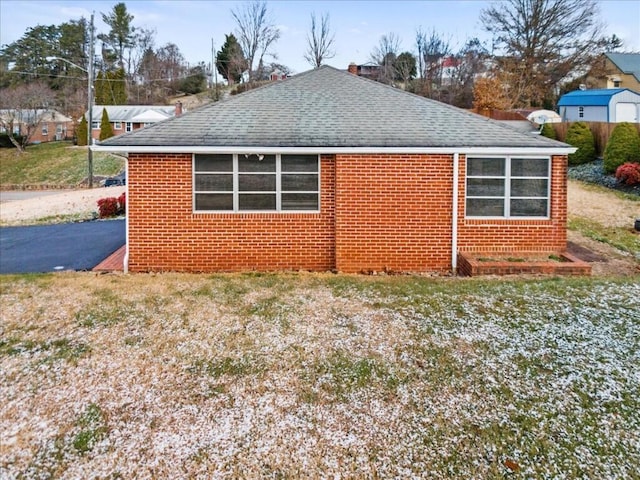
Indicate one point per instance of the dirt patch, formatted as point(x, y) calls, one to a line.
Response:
point(602, 207)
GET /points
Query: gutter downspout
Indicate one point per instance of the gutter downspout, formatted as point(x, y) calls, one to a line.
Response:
point(454, 210)
point(125, 263)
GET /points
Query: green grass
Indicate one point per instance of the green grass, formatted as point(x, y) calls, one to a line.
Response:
point(623, 239)
point(54, 163)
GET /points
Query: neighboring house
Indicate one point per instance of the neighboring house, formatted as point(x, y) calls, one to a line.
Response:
point(277, 75)
point(49, 125)
point(622, 71)
point(612, 105)
point(127, 118)
point(329, 171)
point(367, 70)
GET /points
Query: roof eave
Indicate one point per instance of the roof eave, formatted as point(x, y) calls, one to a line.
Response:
point(551, 150)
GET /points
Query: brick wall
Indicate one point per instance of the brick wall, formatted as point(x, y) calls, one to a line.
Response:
point(378, 212)
point(393, 212)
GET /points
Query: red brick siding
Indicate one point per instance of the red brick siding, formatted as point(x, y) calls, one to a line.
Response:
point(478, 235)
point(393, 212)
point(165, 234)
point(378, 212)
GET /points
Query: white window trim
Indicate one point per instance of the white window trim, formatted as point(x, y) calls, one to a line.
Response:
point(117, 125)
point(128, 127)
point(236, 188)
point(507, 191)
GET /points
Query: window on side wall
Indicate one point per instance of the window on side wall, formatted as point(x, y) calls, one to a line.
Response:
point(508, 187)
point(128, 127)
point(117, 125)
point(581, 112)
point(45, 129)
point(256, 183)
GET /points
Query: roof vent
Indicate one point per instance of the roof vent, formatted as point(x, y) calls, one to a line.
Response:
point(582, 87)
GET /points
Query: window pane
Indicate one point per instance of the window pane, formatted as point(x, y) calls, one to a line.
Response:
point(485, 207)
point(299, 201)
point(214, 201)
point(214, 182)
point(529, 188)
point(252, 163)
point(529, 208)
point(529, 167)
point(485, 187)
point(301, 182)
point(257, 183)
point(257, 201)
point(214, 163)
point(486, 167)
point(299, 163)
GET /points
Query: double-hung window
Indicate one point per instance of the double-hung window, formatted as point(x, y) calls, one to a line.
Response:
point(250, 182)
point(508, 187)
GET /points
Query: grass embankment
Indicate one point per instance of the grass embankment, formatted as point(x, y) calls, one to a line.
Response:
point(318, 376)
point(54, 164)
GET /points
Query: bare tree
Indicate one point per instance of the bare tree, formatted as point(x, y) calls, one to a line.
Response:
point(256, 33)
point(542, 42)
point(22, 110)
point(433, 49)
point(385, 55)
point(319, 41)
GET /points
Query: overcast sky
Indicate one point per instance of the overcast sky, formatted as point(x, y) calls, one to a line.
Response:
point(358, 25)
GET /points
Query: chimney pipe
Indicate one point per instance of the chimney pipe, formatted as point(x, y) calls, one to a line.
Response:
point(353, 68)
point(178, 109)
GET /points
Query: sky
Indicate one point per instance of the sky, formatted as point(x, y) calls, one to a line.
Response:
point(194, 25)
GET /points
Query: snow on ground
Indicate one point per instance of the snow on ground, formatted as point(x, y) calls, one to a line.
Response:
point(318, 376)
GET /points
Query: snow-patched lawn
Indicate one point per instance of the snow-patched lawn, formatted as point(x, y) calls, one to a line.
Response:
point(318, 376)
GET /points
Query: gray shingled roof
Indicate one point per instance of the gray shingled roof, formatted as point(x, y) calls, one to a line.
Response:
point(628, 63)
point(329, 108)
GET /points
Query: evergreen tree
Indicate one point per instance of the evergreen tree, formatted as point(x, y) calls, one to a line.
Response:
point(106, 131)
point(230, 61)
point(99, 89)
point(82, 133)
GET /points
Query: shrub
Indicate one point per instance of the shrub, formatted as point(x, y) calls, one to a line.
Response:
point(548, 131)
point(629, 173)
point(579, 135)
point(5, 142)
point(623, 146)
point(112, 206)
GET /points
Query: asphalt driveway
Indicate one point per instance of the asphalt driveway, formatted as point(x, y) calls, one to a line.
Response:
point(65, 246)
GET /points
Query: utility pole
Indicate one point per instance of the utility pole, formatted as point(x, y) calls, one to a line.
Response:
point(90, 102)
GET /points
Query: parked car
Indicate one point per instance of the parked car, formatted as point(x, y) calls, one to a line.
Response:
point(118, 180)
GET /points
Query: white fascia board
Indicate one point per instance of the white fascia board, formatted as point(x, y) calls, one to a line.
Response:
point(341, 150)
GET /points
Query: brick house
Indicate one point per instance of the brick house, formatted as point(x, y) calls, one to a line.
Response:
point(330, 171)
point(127, 118)
point(44, 125)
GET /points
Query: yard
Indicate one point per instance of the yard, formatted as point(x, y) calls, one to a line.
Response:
point(318, 376)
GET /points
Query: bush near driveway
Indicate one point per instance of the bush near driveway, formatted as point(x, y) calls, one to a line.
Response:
point(623, 146)
point(318, 376)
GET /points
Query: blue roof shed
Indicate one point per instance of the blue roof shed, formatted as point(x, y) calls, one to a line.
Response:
point(602, 105)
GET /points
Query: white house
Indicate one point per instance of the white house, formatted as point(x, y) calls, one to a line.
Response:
point(611, 105)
